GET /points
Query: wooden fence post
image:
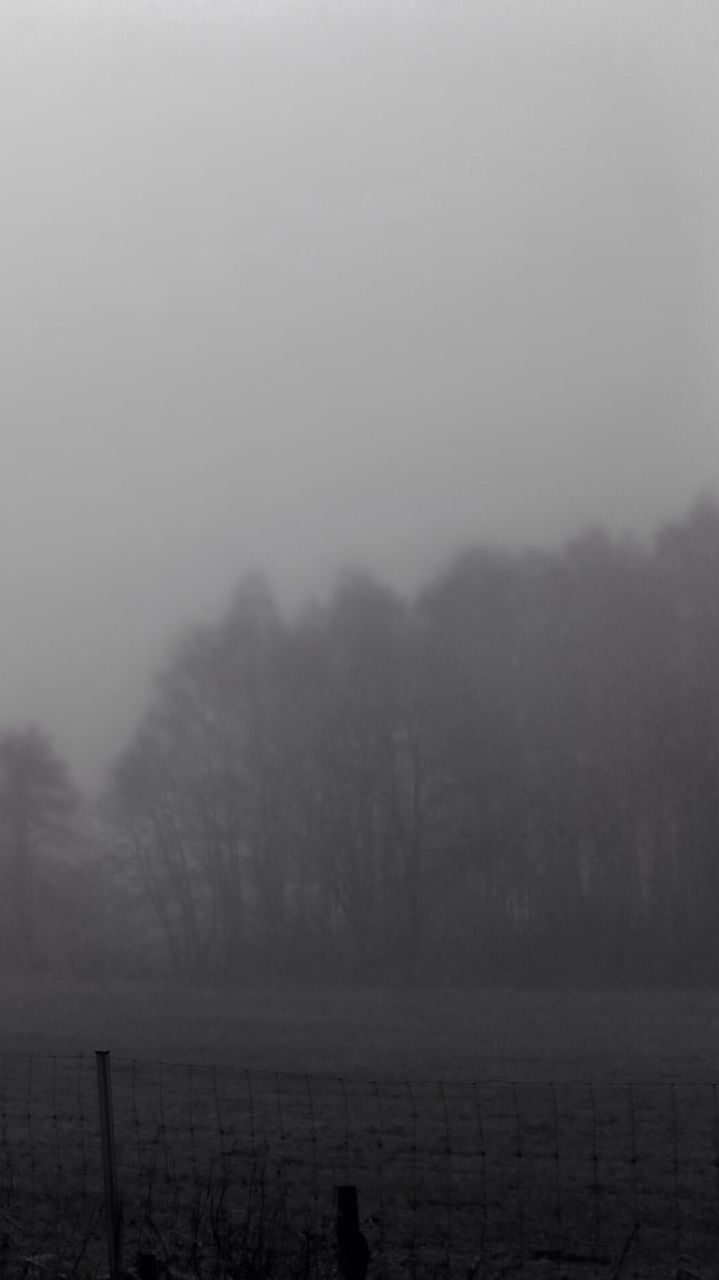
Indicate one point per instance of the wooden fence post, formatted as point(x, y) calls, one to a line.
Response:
point(352, 1249)
point(113, 1210)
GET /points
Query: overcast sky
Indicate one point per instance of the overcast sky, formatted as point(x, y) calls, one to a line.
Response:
point(294, 284)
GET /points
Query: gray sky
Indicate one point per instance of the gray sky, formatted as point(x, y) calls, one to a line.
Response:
point(293, 284)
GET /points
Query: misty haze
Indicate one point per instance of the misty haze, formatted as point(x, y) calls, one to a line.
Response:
point(359, 644)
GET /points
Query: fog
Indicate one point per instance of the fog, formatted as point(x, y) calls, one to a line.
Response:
point(291, 286)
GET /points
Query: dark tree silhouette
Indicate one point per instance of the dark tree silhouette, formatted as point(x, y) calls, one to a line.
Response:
point(513, 777)
point(36, 800)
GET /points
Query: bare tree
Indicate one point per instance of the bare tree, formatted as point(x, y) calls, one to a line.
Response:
point(36, 800)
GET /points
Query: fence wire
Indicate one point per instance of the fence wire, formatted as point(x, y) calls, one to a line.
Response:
point(224, 1172)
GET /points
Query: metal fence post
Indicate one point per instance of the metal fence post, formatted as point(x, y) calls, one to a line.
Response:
point(113, 1212)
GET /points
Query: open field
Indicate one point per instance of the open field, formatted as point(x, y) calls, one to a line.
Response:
point(489, 1134)
point(434, 1034)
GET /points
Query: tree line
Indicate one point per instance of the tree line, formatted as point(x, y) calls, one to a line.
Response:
point(511, 777)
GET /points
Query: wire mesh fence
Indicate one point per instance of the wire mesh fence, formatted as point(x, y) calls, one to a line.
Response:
point(222, 1172)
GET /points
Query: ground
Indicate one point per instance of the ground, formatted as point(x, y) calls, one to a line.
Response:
point(419, 1034)
point(408, 1095)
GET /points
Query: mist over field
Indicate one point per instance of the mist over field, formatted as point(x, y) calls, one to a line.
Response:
point(359, 639)
point(359, 552)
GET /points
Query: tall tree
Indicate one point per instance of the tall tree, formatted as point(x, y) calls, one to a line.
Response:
point(36, 800)
point(196, 794)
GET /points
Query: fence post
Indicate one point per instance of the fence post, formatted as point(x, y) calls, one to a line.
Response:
point(352, 1249)
point(113, 1214)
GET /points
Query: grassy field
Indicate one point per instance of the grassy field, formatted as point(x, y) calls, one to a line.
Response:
point(430, 1034)
point(488, 1133)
